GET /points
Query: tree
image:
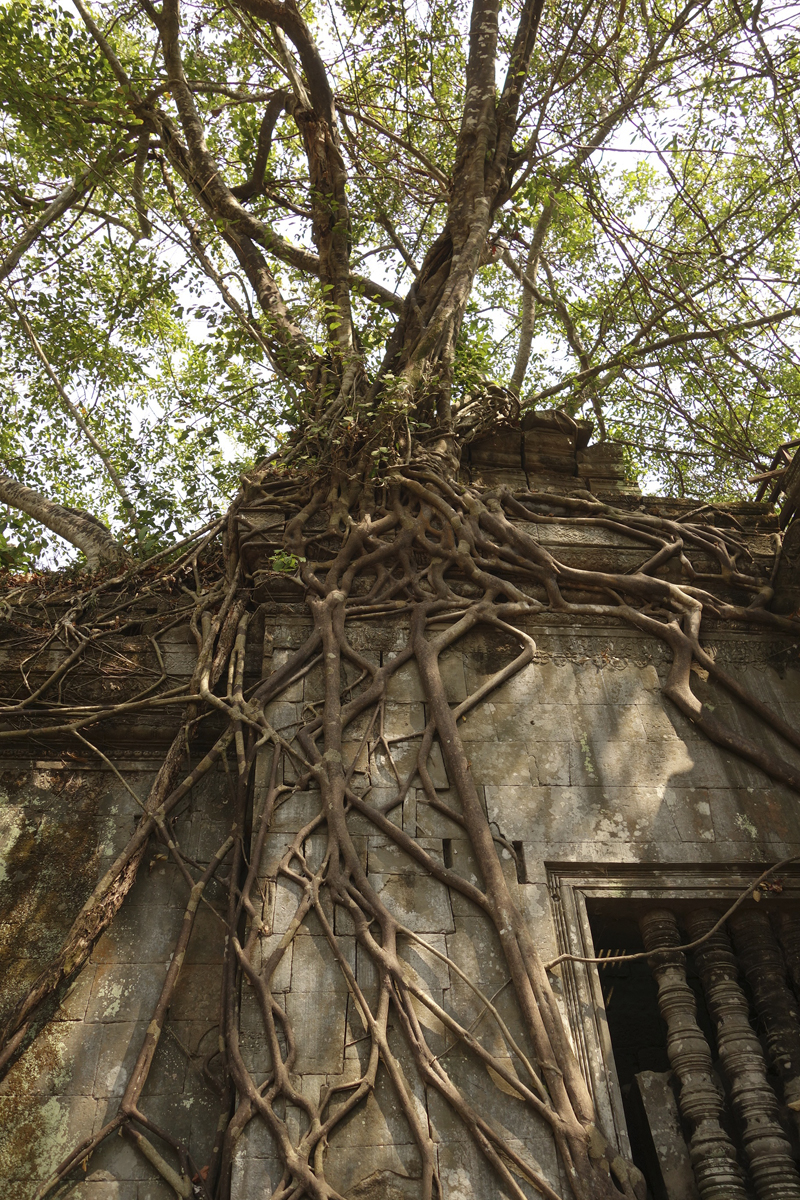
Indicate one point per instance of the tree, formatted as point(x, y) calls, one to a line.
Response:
point(297, 230)
point(192, 215)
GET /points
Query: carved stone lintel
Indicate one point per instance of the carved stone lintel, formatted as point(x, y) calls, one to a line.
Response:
point(742, 1061)
point(762, 962)
point(711, 1151)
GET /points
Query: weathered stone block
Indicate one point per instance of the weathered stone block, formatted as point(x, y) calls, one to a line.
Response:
point(289, 634)
point(497, 450)
point(208, 834)
point(474, 725)
point(283, 716)
point(204, 1110)
point(254, 1176)
point(76, 1000)
point(621, 684)
point(277, 843)
point(356, 755)
point(464, 862)
point(535, 904)
point(402, 720)
point(34, 1138)
point(125, 993)
point(434, 973)
point(691, 812)
point(557, 534)
point(134, 937)
point(116, 1159)
point(601, 685)
point(207, 942)
point(404, 685)
point(175, 1114)
point(253, 1043)
point(158, 885)
point(501, 763)
point(179, 651)
point(384, 1183)
point(310, 1086)
point(611, 722)
point(294, 813)
point(451, 666)
point(517, 810)
point(561, 814)
point(382, 1171)
point(404, 756)
point(431, 823)
point(540, 461)
point(595, 761)
point(417, 901)
point(761, 816)
point(318, 1020)
point(62, 1062)
point(294, 692)
point(110, 1189)
point(120, 1043)
point(196, 996)
point(555, 441)
point(536, 722)
point(511, 721)
point(288, 896)
point(475, 947)
point(544, 682)
point(386, 858)
point(314, 967)
point(551, 761)
point(154, 1189)
point(655, 717)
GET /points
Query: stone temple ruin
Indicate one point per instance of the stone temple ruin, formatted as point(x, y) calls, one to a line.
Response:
point(623, 831)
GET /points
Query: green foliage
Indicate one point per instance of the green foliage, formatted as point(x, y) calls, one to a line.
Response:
point(644, 254)
point(285, 563)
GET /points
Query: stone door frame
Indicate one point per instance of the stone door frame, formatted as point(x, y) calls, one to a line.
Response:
point(570, 886)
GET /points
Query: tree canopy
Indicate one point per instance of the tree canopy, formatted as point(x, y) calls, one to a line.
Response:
point(222, 224)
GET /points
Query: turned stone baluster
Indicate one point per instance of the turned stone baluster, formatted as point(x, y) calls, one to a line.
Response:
point(789, 937)
point(754, 1104)
point(762, 962)
point(711, 1151)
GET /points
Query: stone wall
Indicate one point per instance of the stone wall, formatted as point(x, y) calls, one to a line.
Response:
point(581, 762)
point(583, 767)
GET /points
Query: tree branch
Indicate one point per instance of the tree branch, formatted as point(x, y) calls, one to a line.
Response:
point(628, 354)
point(528, 279)
point(255, 184)
point(73, 411)
point(78, 528)
point(57, 207)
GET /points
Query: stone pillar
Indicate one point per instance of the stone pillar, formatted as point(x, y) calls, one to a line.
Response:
point(754, 1104)
point(762, 962)
point(789, 936)
point(712, 1153)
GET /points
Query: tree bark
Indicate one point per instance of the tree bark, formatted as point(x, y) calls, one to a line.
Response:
point(77, 527)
